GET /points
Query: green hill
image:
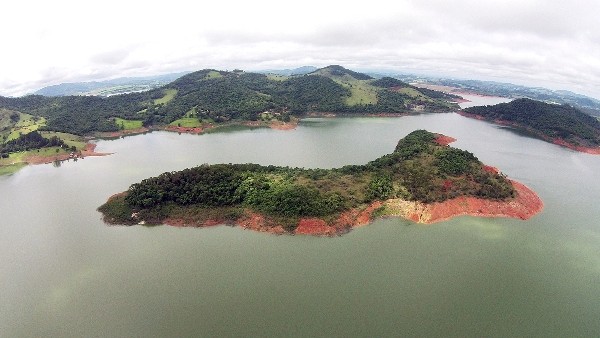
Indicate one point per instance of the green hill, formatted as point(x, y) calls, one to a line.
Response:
point(335, 71)
point(213, 96)
point(550, 121)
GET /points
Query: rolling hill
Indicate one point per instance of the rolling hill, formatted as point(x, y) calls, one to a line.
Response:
point(213, 96)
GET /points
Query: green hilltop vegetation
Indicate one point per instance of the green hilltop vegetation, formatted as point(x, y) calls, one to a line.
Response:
point(549, 121)
point(213, 96)
point(419, 169)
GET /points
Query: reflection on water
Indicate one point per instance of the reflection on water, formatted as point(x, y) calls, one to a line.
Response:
point(65, 273)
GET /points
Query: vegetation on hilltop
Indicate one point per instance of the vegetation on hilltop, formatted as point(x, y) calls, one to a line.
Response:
point(339, 71)
point(419, 169)
point(550, 121)
point(219, 96)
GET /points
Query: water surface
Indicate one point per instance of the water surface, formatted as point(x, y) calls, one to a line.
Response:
point(64, 273)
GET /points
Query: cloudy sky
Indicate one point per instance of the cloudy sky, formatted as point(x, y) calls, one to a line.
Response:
point(554, 44)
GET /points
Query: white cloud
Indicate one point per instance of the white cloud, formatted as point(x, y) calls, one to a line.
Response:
point(533, 42)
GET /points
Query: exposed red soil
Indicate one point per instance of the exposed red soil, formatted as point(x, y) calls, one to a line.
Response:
point(188, 130)
point(444, 140)
point(279, 125)
point(315, 226)
point(524, 206)
point(587, 150)
point(257, 222)
point(347, 220)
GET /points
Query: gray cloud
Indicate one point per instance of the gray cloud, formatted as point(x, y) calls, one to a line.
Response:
point(111, 57)
point(552, 44)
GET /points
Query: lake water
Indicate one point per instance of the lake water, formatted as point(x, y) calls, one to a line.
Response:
point(64, 273)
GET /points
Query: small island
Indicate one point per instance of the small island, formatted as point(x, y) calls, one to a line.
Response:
point(423, 180)
point(559, 124)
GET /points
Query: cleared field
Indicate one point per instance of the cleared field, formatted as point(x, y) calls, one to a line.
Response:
point(361, 92)
point(187, 122)
point(277, 77)
point(169, 95)
point(70, 139)
point(213, 74)
point(11, 168)
point(11, 129)
point(415, 94)
point(128, 124)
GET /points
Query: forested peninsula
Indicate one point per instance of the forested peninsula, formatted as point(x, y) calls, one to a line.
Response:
point(560, 124)
point(423, 179)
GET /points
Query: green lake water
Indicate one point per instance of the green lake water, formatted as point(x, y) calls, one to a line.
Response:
point(64, 273)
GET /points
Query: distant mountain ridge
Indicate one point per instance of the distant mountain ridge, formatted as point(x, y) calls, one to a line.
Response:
point(120, 85)
point(587, 104)
point(137, 84)
point(288, 72)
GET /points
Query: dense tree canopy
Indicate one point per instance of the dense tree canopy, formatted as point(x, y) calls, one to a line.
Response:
point(419, 169)
point(549, 120)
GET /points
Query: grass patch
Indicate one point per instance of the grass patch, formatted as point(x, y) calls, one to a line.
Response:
point(361, 92)
point(169, 95)
point(128, 124)
point(47, 151)
point(213, 74)
point(187, 122)
point(11, 168)
point(415, 94)
point(13, 163)
point(10, 130)
point(277, 77)
point(69, 139)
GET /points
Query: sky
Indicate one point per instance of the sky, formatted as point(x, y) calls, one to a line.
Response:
point(551, 43)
